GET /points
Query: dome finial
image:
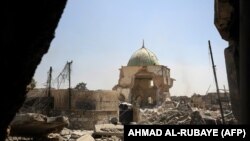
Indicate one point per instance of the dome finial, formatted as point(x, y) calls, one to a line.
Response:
point(143, 44)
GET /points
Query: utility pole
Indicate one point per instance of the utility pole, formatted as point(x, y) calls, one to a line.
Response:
point(69, 71)
point(229, 100)
point(51, 102)
point(49, 82)
point(216, 82)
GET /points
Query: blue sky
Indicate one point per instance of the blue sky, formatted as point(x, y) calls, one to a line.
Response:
point(101, 35)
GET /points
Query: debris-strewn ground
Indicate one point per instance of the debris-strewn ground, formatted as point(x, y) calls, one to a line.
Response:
point(183, 113)
point(70, 135)
point(164, 114)
point(90, 135)
point(170, 113)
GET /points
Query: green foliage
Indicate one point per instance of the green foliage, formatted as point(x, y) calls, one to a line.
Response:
point(81, 86)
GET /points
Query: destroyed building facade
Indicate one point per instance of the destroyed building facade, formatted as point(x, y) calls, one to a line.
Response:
point(210, 101)
point(144, 82)
point(86, 109)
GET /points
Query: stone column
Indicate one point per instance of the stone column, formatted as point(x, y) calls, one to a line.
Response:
point(244, 53)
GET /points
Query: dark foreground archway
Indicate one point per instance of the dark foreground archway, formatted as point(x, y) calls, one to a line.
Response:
point(28, 27)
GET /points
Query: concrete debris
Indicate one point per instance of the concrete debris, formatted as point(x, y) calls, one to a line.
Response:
point(166, 115)
point(55, 136)
point(86, 137)
point(183, 113)
point(196, 118)
point(71, 135)
point(23, 118)
point(112, 138)
point(35, 117)
point(179, 111)
point(184, 107)
point(66, 131)
point(103, 132)
point(38, 125)
point(109, 130)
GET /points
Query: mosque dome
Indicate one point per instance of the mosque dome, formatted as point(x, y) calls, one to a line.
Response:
point(143, 57)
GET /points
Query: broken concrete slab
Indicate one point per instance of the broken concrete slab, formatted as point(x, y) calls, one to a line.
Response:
point(86, 137)
point(34, 125)
point(109, 130)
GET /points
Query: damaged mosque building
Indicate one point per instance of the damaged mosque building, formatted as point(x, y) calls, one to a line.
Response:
point(141, 96)
point(144, 82)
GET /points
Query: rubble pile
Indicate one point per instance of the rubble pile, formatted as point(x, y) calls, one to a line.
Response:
point(183, 113)
point(167, 117)
point(112, 138)
point(34, 126)
point(72, 135)
point(196, 118)
point(108, 132)
point(102, 132)
point(229, 118)
point(164, 115)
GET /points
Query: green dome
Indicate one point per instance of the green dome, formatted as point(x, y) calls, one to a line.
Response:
point(143, 57)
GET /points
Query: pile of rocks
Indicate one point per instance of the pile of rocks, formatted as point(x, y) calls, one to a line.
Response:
point(183, 113)
point(72, 135)
point(102, 132)
point(173, 117)
point(165, 115)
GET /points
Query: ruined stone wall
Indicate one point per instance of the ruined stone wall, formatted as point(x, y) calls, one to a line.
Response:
point(60, 99)
point(159, 74)
point(210, 101)
point(87, 107)
point(123, 94)
point(36, 93)
point(98, 100)
point(86, 100)
point(144, 97)
point(127, 74)
point(197, 101)
point(81, 119)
